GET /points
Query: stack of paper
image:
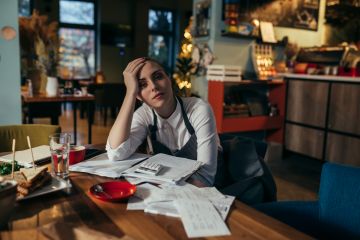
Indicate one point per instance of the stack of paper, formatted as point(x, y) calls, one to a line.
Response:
point(174, 169)
point(102, 166)
point(202, 210)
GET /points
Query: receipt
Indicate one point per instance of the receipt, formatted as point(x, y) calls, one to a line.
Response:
point(223, 205)
point(200, 218)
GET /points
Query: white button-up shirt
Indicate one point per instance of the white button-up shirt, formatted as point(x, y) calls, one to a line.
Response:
point(172, 133)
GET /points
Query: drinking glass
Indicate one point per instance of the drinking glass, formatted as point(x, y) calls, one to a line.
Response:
point(60, 148)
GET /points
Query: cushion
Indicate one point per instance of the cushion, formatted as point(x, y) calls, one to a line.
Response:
point(302, 215)
point(339, 198)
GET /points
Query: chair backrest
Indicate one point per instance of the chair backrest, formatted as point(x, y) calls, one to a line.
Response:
point(242, 172)
point(108, 94)
point(339, 198)
point(38, 133)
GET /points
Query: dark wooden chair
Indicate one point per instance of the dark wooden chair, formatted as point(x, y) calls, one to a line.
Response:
point(108, 96)
point(50, 110)
point(242, 171)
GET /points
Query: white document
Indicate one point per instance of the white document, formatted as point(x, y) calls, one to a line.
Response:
point(24, 157)
point(136, 181)
point(223, 205)
point(143, 191)
point(200, 218)
point(174, 169)
point(168, 208)
point(146, 190)
point(162, 208)
point(102, 166)
point(135, 203)
point(170, 193)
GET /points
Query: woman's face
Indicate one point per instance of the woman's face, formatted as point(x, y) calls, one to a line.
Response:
point(155, 86)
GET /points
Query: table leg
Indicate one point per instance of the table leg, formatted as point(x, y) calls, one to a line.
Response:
point(75, 124)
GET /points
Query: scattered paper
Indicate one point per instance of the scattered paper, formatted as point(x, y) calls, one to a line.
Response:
point(163, 208)
point(200, 218)
point(223, 205)
point(102, 166)
point(146, 190)
point(143, 191)
point(168, 193)
point(135, 203)
point(137, 181)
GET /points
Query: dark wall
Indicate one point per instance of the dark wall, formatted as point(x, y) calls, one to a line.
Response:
point(134, 13)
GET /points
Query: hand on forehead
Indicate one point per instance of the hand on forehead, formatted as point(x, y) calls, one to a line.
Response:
point(149, 68)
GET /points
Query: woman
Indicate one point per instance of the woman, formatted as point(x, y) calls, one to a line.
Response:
point(183, 127)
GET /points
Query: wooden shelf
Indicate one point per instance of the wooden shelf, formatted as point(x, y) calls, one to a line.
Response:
point(251, 82)
point(258, 123)
point(225, 124)
point(240, 36)
point(250, 37)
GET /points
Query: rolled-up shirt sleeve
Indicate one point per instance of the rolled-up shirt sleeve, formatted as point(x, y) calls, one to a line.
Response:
point(137, 135)
point(208, 143)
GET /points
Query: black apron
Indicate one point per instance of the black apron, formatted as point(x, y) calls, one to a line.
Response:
point(189, 150)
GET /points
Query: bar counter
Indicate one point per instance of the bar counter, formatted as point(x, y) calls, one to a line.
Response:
point(321, 77)
point(321, 119)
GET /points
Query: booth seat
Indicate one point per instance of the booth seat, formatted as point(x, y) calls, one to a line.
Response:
point(336, 214)
point(38, 133)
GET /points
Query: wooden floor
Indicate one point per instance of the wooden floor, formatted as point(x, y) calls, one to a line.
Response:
point(297, 178)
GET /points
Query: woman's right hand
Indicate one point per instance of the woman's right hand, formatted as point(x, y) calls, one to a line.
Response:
point(131, 73)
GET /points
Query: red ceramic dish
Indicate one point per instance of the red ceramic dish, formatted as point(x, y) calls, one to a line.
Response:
point(113, 191)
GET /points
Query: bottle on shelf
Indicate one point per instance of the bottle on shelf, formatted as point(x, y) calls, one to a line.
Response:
point(30, 88)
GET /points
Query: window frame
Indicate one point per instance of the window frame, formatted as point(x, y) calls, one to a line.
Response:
point(93, 27)
point(31, 8)
point(171, 62)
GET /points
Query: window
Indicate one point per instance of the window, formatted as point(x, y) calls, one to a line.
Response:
point(24, 8)
point(77, 12)
point(161, 37)
point(77, 34)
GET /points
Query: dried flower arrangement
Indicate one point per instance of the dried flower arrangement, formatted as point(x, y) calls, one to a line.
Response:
point(39, 44)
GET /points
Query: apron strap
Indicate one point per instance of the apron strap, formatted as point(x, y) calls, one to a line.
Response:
point(185, 117)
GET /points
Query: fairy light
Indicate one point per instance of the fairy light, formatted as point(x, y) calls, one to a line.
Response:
point(181, 77)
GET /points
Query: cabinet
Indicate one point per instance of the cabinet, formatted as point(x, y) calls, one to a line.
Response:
point(307, 141)
point(344, 108)
point(274, 125)
point(322, 118)
point(306, 102)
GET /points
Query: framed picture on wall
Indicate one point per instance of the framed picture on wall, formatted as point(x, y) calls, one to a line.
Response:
point(202, 18)
point(302, 14)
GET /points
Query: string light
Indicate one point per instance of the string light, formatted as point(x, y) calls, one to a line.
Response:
point(184, 65)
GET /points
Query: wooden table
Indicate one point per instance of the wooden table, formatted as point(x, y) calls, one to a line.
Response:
point(29, 100)
point(78, 208)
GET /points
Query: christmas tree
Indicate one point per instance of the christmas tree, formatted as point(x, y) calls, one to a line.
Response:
point(184, 64)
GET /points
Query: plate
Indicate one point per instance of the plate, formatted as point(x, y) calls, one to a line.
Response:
point(113, 191)
point(57, 184)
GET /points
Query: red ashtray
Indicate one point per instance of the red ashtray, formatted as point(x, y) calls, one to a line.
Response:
point(113, 191)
